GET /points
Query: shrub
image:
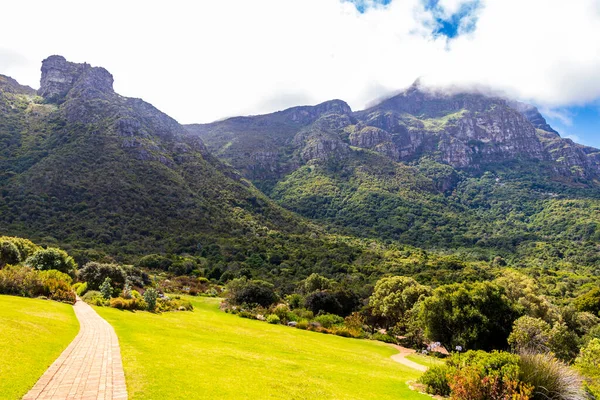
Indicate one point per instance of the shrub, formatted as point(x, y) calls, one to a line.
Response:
point(588, 363)
point(563, 342)
point(283, 312)
point(28, 282)
point(80, 288)
point(106, 289)
point(436, 380)
point(150, 296)
point(95, 274)
point(9, 253)
point(329, 320)
point(530, 334)
point(56, 287)
point(273, 319)
point(384, 338)
point(52, 258)
point(295, 300)
point(303, 324)
point(252, 292)
point(550, 378)
point(128, 304)
point(95, 298)
point(26, 247)
point(173, 304)
point(154, 261)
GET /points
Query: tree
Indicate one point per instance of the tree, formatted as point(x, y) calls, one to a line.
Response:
point(106, 289)
point(323, 301)
point(96, 273)
point(590, 301)
point(530, 334)
point(316, 282)
point(588, 363)
point(472, 315)
point(563, 342)
point(393, 297)
point(252, 292)
point(52, 258)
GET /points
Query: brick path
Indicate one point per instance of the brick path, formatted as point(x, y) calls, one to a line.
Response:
point(90, 368)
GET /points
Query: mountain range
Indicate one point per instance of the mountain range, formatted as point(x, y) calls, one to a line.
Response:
point(84, 167)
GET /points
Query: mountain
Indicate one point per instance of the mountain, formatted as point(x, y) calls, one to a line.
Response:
point(424, 167)
point(82, 165)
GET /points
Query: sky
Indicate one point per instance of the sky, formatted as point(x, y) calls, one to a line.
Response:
point(202, 60)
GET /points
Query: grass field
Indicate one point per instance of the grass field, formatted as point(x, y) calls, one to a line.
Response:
point(207, 354)
point(33, 333)
point(425, 360)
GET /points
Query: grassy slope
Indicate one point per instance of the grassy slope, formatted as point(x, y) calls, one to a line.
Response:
point(33, 334)
point(427, 361)
point(209, 354)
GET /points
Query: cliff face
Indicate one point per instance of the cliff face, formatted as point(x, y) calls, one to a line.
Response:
point(463, 130)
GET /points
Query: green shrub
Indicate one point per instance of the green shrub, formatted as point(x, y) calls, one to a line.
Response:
point(329, 320)
point(28, 282)
point(273, 319)
point(173, 304)
point(95, 298)
point(295, 300)
point(106, 289)
point(150, 296)
point(252, 292)
point(550, 378)
point(52, 258)
point(26, 247)
point(95, 274)
point(588, 363)
point(128, 304)
point(303, 324)
point(384, 338)
point(435, 380)
point(9, 253)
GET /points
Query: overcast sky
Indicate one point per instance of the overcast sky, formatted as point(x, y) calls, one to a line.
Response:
point(204, 60)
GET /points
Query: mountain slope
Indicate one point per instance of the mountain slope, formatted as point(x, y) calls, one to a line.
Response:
point(423, 167)
point(83, 165)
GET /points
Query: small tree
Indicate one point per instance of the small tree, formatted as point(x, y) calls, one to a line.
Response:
point(150, 297)
point(253, 292)
point(95, 274)
point(106, 289)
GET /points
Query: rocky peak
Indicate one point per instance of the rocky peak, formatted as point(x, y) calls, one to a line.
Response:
point(9, 85)
point(533, 115)
point(59, 76)
point(305, 115)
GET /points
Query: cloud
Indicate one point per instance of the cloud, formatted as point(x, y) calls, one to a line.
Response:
point(200, 61)
point(564, 116)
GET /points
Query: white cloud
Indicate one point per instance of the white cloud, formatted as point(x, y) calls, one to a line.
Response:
point(564, 116)
point(204, 60)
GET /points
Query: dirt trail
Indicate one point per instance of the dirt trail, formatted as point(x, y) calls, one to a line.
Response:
point(401, 358)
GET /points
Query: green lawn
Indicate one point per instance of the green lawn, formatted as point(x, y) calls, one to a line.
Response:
point(33, 333)
point(427, 361)
point(207, 354)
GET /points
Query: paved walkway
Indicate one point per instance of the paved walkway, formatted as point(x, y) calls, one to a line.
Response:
point(90, 368)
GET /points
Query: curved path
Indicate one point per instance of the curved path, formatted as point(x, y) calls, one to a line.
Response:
point(401, 358)
point(90, 368)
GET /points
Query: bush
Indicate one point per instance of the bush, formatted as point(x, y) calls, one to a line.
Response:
point(384, 338)
point(273, 319)
point(128, 304)
point(28, 282)
point(251, 292)
point(95, 274)
point(95, 298)
point(106, 289)
point(173, 304)
point(150, 296)
point(295, 300)
point(26, 247)
point(303, 324)
point(436, 380)
point(80, 288)
point(9, 253)
point(52, 258)
point(550, 378)
point(588, 363)
point(329, 320)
